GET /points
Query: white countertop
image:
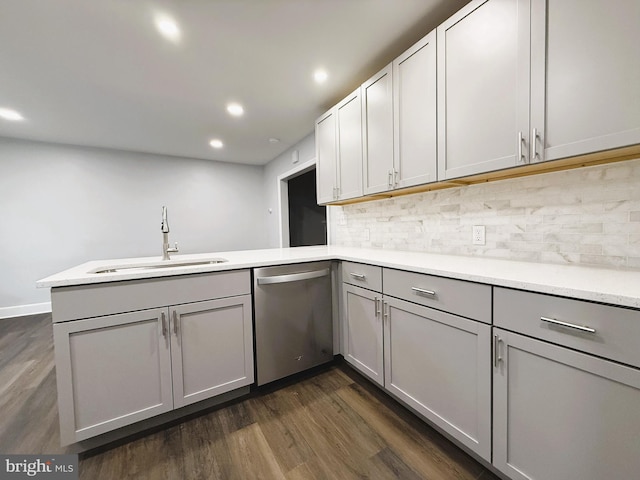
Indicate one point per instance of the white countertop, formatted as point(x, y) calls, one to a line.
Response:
point(617, 287)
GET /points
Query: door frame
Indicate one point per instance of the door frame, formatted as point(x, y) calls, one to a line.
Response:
point(283, 200)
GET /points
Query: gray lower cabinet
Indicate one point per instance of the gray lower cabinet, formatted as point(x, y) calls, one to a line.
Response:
point(116, 369)
point(440, 365)
point(211, 348)
point(111, 371)
point(566, 388)
point(437, 363)
point(561, 414)
point(362, 317)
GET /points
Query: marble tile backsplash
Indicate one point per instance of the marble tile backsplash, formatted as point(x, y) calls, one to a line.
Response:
point(588, 216)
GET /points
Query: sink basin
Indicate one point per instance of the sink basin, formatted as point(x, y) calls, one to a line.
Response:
point(167, 264)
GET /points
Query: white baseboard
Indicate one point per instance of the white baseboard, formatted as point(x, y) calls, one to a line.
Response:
point(22, 310)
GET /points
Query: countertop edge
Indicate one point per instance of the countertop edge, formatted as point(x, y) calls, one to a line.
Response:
point(473, 269)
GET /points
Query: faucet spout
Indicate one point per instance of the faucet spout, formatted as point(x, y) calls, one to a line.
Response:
point(165, 223)
point(166, 249)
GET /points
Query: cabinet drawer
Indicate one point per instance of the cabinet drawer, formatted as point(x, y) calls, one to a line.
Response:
point(84, 301)
point(467, 299)
point(616, 330)
point(365, 276)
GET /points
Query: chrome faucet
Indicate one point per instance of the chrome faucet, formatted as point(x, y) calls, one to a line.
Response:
point(166, 249)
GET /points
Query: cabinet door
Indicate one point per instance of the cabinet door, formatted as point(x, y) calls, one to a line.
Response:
point(585, 76)
point(326, 157)
point(414, 103)
point(483, 88)
point(349, 124)
point(362, 320)
point(211, 348)
point(377, 132)
point(440, 365)
point(112, 371)
point(562, 414)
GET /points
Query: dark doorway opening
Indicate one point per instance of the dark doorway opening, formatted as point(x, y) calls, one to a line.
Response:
point(307, 219)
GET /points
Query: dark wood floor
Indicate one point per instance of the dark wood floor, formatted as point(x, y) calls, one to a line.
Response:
point(333, 425)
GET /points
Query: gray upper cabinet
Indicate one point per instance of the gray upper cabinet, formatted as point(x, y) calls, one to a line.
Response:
point(377, 132)
point(339, 151)
point(399, 121)
point(414, 118)
point(585, 76)
point(349, 125)
point(514, 82)
point(483, 88)
point(326, 157)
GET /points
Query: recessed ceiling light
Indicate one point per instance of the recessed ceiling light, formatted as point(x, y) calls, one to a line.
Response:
point(9, 114)
point(235, 109)
point(215, 143)
point(167, 27)
point(274, 140)
point(320, 76)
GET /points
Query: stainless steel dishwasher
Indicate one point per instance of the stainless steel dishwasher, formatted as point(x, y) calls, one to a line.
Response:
point(294, 324)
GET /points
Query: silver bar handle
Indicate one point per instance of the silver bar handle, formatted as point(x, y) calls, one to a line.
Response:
point(396, 174)
point(424, 291)
point(293, 277)
point(497, 358)
point(175, 322)
point(390, 179)
point(358, 276)
point(164, 324)
point(568, 325)
point(534, 146)
point(385, 310)
point(521, 158)
point(377, 306)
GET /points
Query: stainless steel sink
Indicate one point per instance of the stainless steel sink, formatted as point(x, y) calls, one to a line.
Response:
point(151, 266)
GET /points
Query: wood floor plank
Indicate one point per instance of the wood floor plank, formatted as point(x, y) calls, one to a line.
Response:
point(428, 458)
point(10, 374)
point(206, 451)
point(386, 464)
point(303, 472)
point(341, 448)
point(276, 415)
point(155, 457)
point(252, 457)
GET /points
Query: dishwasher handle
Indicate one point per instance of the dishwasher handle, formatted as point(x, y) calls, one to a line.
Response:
point(293, 277)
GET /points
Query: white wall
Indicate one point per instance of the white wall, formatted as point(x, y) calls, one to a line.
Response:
point(279, 165)
point(588, 216)
point(64, 205)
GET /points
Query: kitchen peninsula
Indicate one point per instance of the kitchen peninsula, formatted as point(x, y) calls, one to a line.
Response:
point(492, 338)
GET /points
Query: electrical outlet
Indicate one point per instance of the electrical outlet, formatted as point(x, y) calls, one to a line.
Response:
point(479, 235)
point(367, 236)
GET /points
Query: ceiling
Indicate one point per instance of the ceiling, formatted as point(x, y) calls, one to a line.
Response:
point(98, 73)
